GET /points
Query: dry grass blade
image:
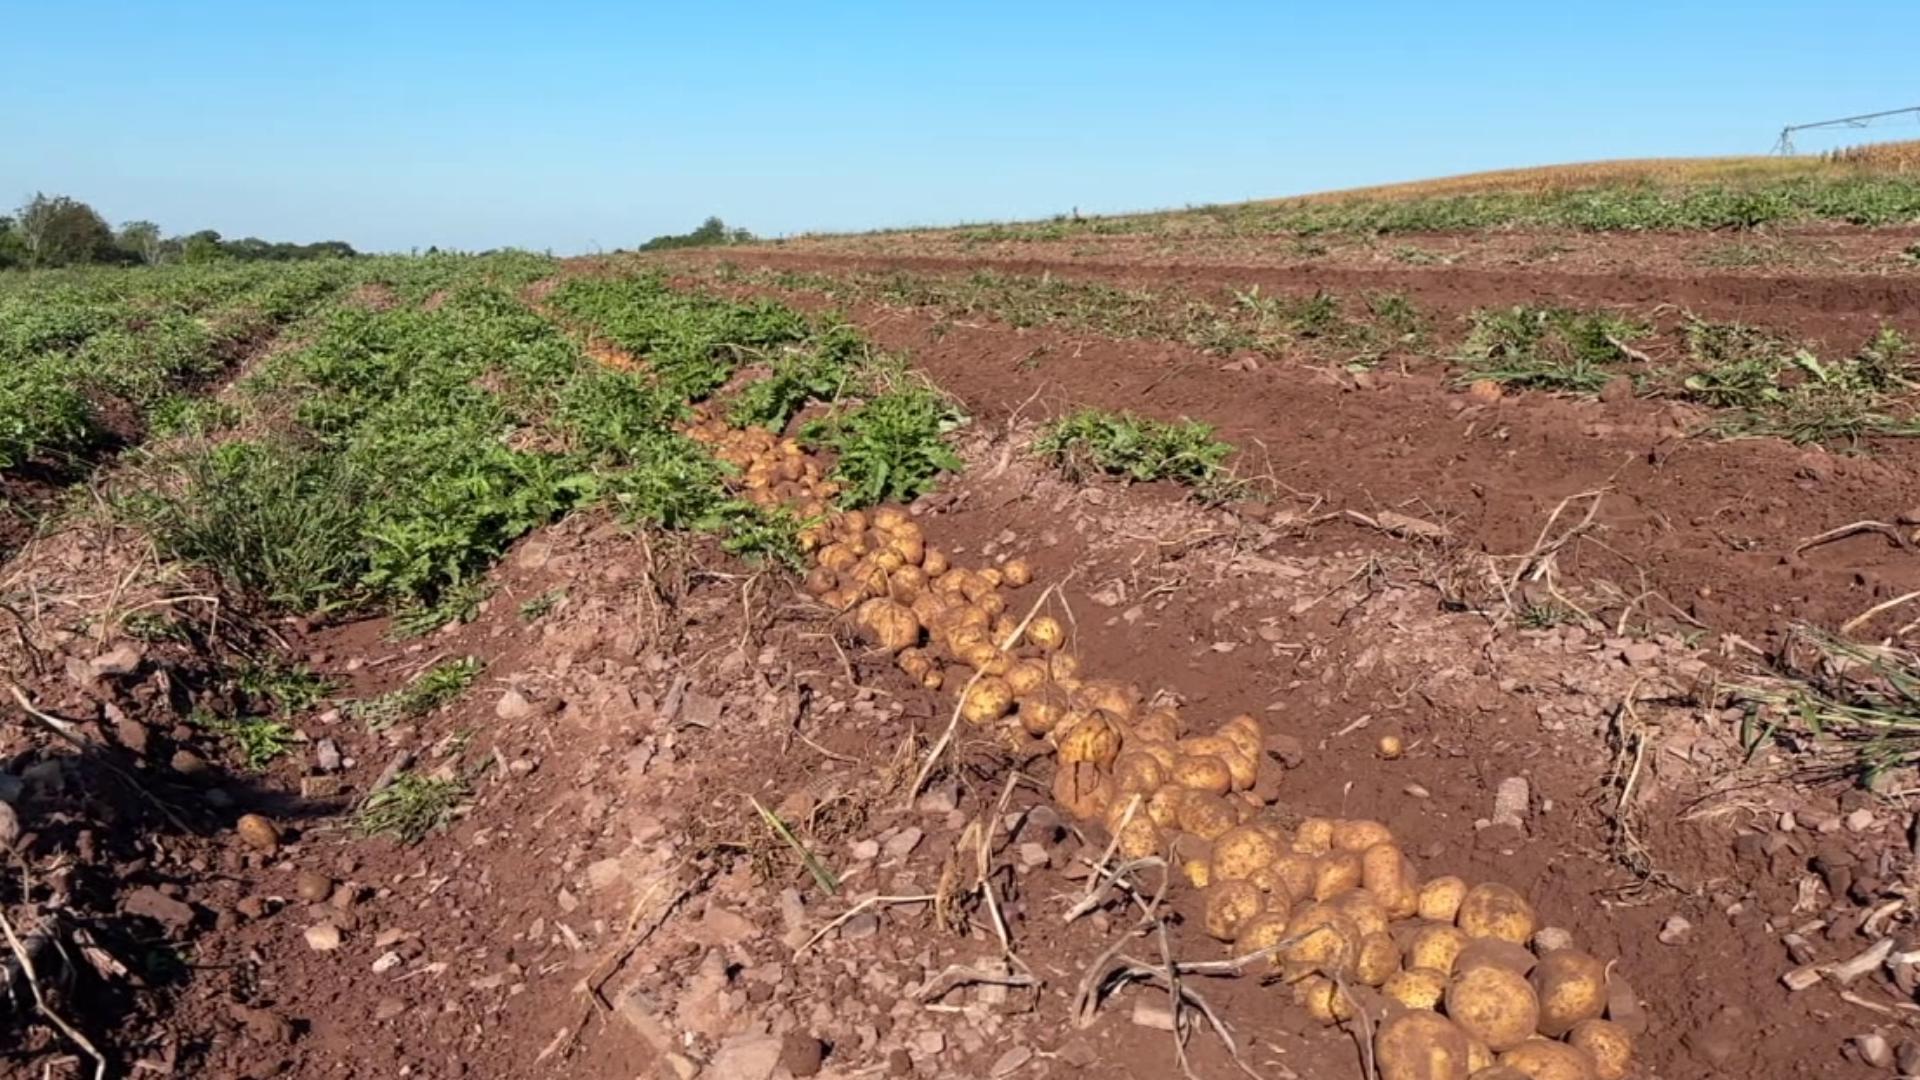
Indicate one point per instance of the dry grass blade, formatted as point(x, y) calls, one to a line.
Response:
point(25, 959)
point(821, 875)
point(841, 919)
point(60, 729)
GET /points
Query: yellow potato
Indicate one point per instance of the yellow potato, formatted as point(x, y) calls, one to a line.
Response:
point(1203, 774)
point(838, 558)
point(1572, 987)
point(1335, 873)
point(1230, 906)
point(986, 701)
point(1363, 909)
point(1420, 1045)
point(1494, 1005)
point(1017, 572)
point(1541, 1059)
point(819, 580)
point(1026, 677)
point(906, 585)
point(892, 626)
point(985, 657)
point(935, 563)
point(1159, 751)
point(1440, 898)
point(1359, 835)
point(1206, 815)
point(1137, 770)
point(1108, 695)
point(1044, 631)
point(1296, 872)
point(1325, 942)
point(1082, 789)
point(1092, 739)
point(1323, 999)
point(1264, 931)
point(1608, 1045)
point(1496, 911)
point(1479, 1057)
point(1378, 958)
point(1246, 735)
point(1164, 806)
point(1139, 838)
point(1241, 851)
point(1197, 872)
point(1435, 947)
point(1159, 725)
point(1042, 713)
point(1313, 837)
point(1383, 871)
point(1416, 987)
point(1064, 667)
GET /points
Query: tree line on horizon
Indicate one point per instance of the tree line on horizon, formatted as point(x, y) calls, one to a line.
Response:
point(58, 230)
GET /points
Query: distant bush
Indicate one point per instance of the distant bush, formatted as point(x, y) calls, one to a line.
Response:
point(712, 233)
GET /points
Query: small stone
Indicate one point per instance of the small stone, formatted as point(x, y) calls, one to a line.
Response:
point(801, 1053)
point(513, 705)
point(1907, 1058)
point(1011, 1061)
point(326, 756)
point(320, 787)
point(388, 1008)
point(940, 800)
point(1416, 791)
point(681, 1066)
point(1484, 391)
point(188, 764)
point(387, 962)
point(263, 1025)
point(1510, 802)
point(1618, 388)
point(899, 1063)
point(864, 850)
point(1873, 1049)
point(1861, 820)
point(1152, 1014)
point(1551, 939)
point(929, 1043)
point(313, 887)
point(902, 843)
point(1640, 653)
point(151, 903)
point(747, 1057)
point(119, 660)
point(861, 926)
point(1033, 855)
point(9, 826)
point(1675, 931)
point(258, 833)
point(323, 937)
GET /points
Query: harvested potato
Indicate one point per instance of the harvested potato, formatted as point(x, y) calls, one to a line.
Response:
point(1230, 906)
point(1365, 911)
point(1496, 911)
point(819, 580)
point(888, 518)
point(1359, 835)
point(1239, 767)
point(1497, 1072)
point(921, 667)
point(1203, 774)
point(1335, 873)
point(1608, 1045)
point(1416, 987)
point(1064, 667)
point(1197, 872)
point(1206, 815)
point(838, 558)
point(935, 563)
point(1383, 871)
point(1323, 999)
point(1017, 572)
point(1108, 695)
point(1314, 836)
point(1046, 632)
point(906, 585)
point(1420, 1045)
point(1494, 1005)
point(1082, 789)
point(1164, 805)
point(1242, 850)
point(892, 626)
point(889, 561)
point(1042, 714)
point(1246, 735)
point(1264, 931)
point(1296, 872)
point(1542, 1059)
point(1139, 838)
point(1390, 747)
point(1378, 958)
point(840, 599)
point(1093, 739)
point(1160, 752)
point(1158, 725)
point(1435, 947)
point(1479, 1057)
point(1324, 942)
point(954, 583)
point(912, 550)
point(1440, 898)
point(1479, 952)
point(1137, 770)
point(986, 701)
point(1572, 986)
point(995, 605)
point(984, 657)
point(1026, 677)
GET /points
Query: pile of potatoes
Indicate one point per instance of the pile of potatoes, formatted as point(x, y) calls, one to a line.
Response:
point(774, 471)
point(1443, 969)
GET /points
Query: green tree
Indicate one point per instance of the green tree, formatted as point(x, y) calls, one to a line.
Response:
point(13, 250)
point(202, 247)
point(141, 240)
point(60, 231)
point(711, 233)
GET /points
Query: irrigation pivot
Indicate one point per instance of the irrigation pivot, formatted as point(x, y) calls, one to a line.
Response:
point(1785, 145)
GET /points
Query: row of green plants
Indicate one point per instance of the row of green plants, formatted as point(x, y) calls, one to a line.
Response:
point(1357, 331)
point(1856, 199)
point(1762, 384)
point(88, 356)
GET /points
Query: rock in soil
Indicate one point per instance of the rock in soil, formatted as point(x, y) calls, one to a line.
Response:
point(801, 1054)
point(747, 1057)
point(323, 937)
point(151, 903)
point(1675, 930)
point(313, 887)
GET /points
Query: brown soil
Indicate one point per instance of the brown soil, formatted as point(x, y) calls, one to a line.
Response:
point(610, 904)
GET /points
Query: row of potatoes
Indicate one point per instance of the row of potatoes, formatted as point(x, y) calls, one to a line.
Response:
point(1442, 969)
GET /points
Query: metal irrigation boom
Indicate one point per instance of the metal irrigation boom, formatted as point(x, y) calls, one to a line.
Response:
point(1785, 145)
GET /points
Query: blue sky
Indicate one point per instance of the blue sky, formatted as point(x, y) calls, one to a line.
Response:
point(576, 126)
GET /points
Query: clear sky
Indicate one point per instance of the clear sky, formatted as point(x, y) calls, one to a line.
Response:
point(576, 126)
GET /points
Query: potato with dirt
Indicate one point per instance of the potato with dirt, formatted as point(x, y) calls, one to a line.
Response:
point(1572, 987)
point(1496, 911)
point(1494, 1005)
point(1420, 1045)
point(1543, 1059)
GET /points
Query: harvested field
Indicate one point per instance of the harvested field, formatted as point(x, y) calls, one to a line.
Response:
point(907, 656)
